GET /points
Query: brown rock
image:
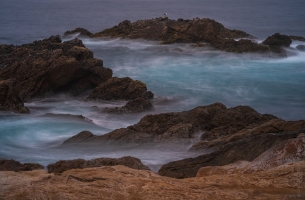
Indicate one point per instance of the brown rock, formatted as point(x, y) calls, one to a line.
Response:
point(12, 165)
point(136, 105)
point(9, 98)
point(80, 137)
point(64, 165)
point(119, 89)
point(81, 31)
point(49, 66)
point(215, 120)
point(278, 40)
point(247, 145)
point(289, 151)
point(120, 182)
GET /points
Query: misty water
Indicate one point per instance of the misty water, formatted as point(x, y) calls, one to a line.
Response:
point(181, 77)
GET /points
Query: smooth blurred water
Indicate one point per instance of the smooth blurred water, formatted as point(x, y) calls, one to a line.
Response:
point(182, 77)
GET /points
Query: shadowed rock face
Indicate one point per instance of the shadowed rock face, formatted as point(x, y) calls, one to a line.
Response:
point(9, 98)
point(64, 165)
point(278, 40)
point(289, 151)
point(119, 89)
point(12, 165)
point(180, 127)
point(246, 144)
point(133, 106)
point(48, 66)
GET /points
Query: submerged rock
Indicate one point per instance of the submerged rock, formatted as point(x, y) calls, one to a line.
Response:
point(64, 165)
point(278, 40)
point(301, 47)
point(12, 165)
point(120, 89)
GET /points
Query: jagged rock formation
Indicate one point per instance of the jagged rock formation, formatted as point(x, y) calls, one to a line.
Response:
point(246, 144)
point(278, 40)
point(64, 165)
point(81, 31)
point(120, 89)
point(47, 67)
point(120, 182)
point(215, 120)
point(12, 165)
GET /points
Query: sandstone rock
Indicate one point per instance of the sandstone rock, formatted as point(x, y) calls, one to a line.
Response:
point(289, 151)
point(81, 31)
point(64, 165)
point(9, 98)
point(136, 105)
point(12, 165)
point(301, 47)
point(49, 66)
point(215, 120)
point(244, 145)
point(278, 40)
point(120, 182)
point(119, 89)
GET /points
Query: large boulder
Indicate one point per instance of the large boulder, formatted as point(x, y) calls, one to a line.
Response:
point(64, 165)
point(278, 40)
point(119, 89)
point(9, 97)
point(48, 66)
point(12, 165)
point(214, 120)
point(246, 145)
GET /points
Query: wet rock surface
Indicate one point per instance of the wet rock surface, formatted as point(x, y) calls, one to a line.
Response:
point(64, 165)
point(278, 40)
point(133, 106)
point(246, 144)
point(12, 165)
point(120, 89)
point(214, 120)
point(47, 67)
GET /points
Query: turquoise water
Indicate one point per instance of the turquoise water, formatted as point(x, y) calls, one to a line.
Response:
point(182, 77)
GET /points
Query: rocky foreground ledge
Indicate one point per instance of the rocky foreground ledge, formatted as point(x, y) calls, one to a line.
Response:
point(48, 67)
point(203, 32)
point(277, 174)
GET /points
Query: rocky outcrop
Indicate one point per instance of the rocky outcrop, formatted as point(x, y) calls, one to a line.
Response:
point(189, 31)
point(9, 97)
point(12, 165)
point(120, 89)
point(214, 120)
point(246, 144)
point(133, 106)
point(64, 165)
point(80, 31)
point(278, 40)
point(48, 66)
point(80, 137)
point(299, 38)
point(120, 182)
point(289, 151)
point(300, 47)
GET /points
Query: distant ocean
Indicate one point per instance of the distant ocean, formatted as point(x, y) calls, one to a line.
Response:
point(181, 80)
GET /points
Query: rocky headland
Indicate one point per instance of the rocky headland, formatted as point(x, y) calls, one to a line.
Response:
point(203, 32)
point(48, 67)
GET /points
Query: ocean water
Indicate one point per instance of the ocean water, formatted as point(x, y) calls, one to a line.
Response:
point(182, 77)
